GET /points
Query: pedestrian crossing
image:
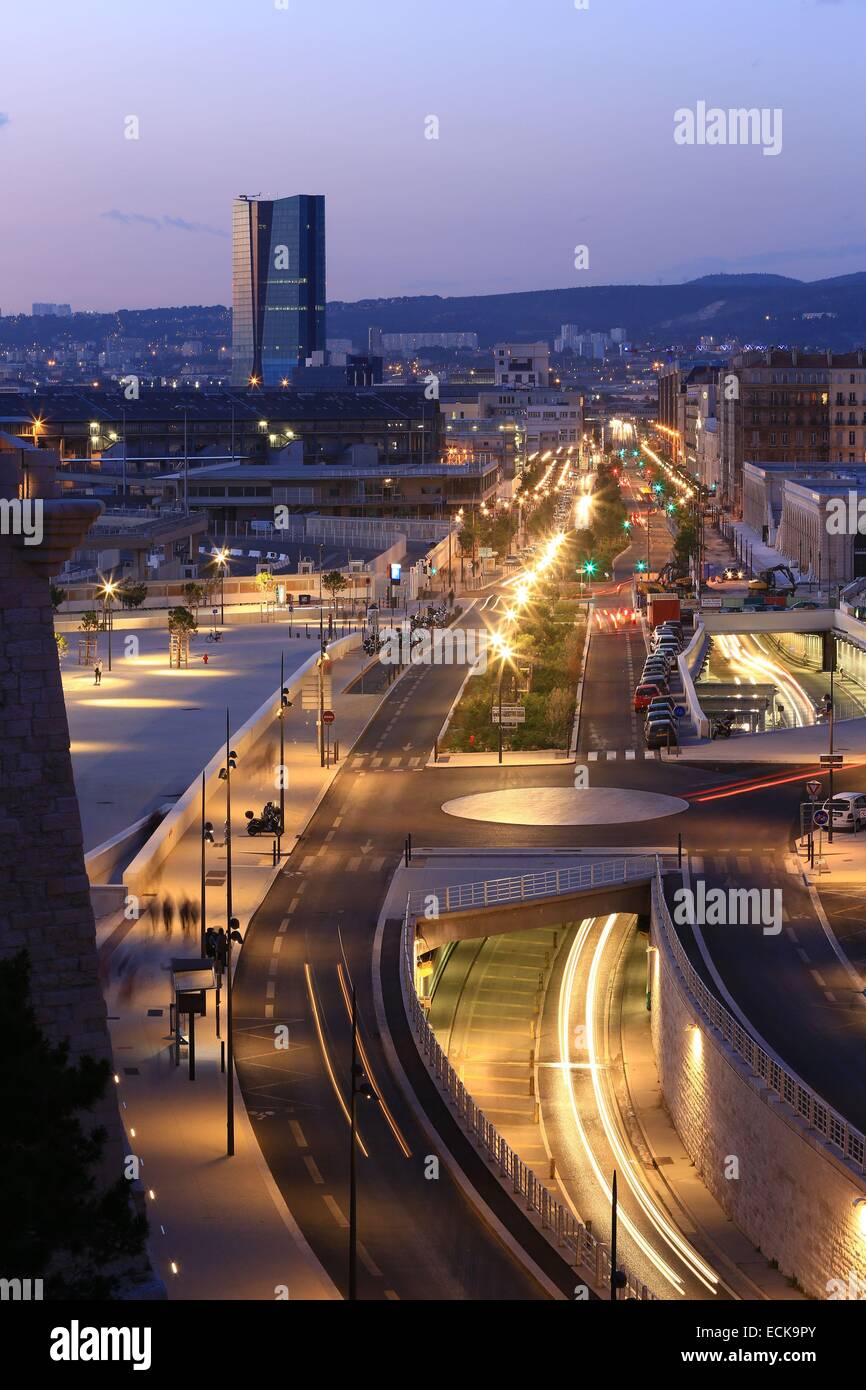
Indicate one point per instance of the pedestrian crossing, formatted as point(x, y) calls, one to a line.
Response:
point(629, 755)
point(377, 762)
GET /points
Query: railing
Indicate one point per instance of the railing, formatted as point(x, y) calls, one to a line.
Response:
point(496, 892)
point(816, 1113)
point(556, 1220)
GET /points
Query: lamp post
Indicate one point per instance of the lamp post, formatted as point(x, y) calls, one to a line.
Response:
point(232, 934)
point(221, 560)
point(359, 1086)
point(206, 839)
point(108, 591)
point(505, 654)
point(285, 703)
point(323, 665)
point(831, 720)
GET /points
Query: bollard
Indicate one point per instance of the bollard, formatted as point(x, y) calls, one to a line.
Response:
point(223, 1057)
point(436, 751)
point(680, 850)
point(336, 750)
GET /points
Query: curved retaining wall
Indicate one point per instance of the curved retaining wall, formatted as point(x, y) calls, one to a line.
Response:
point(795, 1194)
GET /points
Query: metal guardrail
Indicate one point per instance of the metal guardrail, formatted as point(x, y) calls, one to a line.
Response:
point(496, 892)
point(557, 1221)
point(785, 1084)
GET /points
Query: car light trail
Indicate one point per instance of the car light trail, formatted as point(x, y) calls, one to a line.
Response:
point(565, 996)
point(365, 1062)
point(623, 1161)
point(327, 1060)
point(759, 664)
point(666, 1230)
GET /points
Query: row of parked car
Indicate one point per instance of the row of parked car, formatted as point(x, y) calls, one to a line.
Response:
point(653, 693)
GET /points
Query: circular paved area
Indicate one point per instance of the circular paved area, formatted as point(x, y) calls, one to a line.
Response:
point(565, 806)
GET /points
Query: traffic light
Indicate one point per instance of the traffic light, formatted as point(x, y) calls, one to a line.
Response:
point(640, 567)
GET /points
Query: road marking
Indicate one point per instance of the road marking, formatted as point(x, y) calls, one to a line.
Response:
point(338, 821)
point(391, 1296)
point(828, 994)
point(803, 956)
point(278, 945)
point(791, 933)
point(611, 757)
point(630, 755)
point(271, 990)
point(697, 863)
point(354, 863)
point(368, 1262)
point(593, 756)
point(274, 963)
point(269, 1011)
point(284, 925)
point(335, 1211)
point(298, 1135)
point(313, 1170)
point(329, 837)
point(819, 979)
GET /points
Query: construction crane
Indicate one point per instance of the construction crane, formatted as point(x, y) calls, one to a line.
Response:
point(766, 580)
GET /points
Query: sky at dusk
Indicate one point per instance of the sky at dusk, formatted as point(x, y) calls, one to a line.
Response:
point(555, 130)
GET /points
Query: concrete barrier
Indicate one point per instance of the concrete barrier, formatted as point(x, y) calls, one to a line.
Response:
point(786, 1186)
point(187, 809)
point(691, 663)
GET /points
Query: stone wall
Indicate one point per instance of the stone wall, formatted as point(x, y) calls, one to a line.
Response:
point(45, 902)
point(794, 1197)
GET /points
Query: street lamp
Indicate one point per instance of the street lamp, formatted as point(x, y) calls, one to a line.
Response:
point(221, 560)
point(108, 591)
point(359, 1086)
point(232, 934)
point(206, 839)
point(505, 654)
point(285, 703)
point(323, 665)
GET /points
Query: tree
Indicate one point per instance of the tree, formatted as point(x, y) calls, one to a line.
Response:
point(89, 621)
point(194, 594)
point(132, 593)
point(62, 645)
point(264, 581)
point(335, 583)
point(58, 596)
point(182, 622)
point(57, 1224)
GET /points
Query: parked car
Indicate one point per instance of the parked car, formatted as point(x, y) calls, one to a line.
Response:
point(647, 692)
point(848, 810)
point(662, 704)
point(805, 603)
point(661, 733)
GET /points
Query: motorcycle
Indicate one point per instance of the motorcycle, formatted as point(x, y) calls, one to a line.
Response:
point(268, 823)
point(724, 727)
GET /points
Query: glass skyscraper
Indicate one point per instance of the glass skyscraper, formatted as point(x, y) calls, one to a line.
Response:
point(278, 287)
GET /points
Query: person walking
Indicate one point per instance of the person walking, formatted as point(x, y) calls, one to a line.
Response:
point(97, 673)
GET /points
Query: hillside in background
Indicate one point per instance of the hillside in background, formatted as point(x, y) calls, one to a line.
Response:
point(751, 308)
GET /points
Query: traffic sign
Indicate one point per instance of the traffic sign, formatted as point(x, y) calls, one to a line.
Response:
point(814, 790)
point(328, 717)
point(510, 714)
point(680, 711)
point(832, 759)
point(821, 818)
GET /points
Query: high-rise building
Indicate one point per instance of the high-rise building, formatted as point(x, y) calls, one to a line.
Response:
point(278, 287)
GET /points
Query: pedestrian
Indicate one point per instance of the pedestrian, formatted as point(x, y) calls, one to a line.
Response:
point(168, 913)
point(185, 916)
point(97, 673)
